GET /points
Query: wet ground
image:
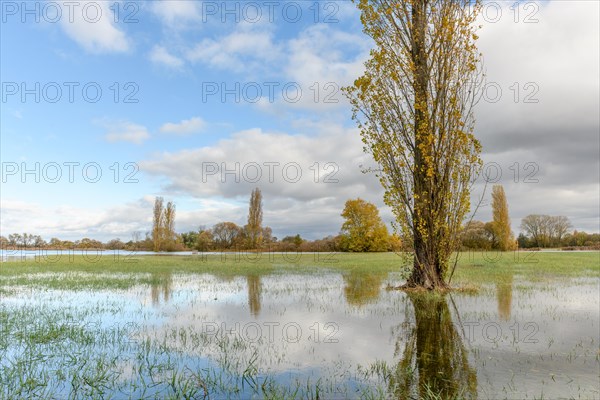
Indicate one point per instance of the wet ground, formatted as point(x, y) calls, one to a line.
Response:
point(283, 335)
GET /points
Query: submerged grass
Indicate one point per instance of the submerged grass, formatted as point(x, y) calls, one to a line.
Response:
point(60, 349)
point(473, 268)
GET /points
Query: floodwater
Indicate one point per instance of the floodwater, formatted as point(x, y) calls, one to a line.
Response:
point(283, 335)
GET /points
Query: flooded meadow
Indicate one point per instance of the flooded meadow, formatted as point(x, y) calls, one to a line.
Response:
point(296, 332)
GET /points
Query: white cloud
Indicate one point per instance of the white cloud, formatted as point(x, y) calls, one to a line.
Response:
point(249, 46)
point(185, 127)
point(92, 27)
point(318, 55)
point(160, 55)
point(321, 61)
point(176, 13)
point(126, 132)
point(291, 171)
point(75, 222)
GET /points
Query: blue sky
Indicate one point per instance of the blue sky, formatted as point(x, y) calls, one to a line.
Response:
point(169, 73)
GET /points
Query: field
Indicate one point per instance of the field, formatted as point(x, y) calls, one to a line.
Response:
point(519, 325)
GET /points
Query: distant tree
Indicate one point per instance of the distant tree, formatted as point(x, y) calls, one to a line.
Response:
point(298, 240)
point(170, 236)
point(267, 235)
point(87, 243)
point(38, 242)
point(158, 223)
point(115, 244)
point(475, 236)
point(226, 234)
point(55, 243)
point(490, 232)
point(164, 236)
point(189, 239)
point(501, 220)
point(294, 240)
point(537, 227)
point(545, 230)
point(204, 241)
point(26, 240)
point(560, 227)
point(15, 239)
point(523, 241)
point(395, 243)
point(255, 216)
point(363, 229)
point(3, 242)
point(578, 238)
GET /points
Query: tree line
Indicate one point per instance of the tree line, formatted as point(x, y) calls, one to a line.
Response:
point(537, 231)
point(363, 230)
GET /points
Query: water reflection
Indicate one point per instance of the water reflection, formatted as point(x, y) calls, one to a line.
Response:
point(362, 288)
point(161, 285)
point(504, 287)
point(434, 359)
point(254, 290)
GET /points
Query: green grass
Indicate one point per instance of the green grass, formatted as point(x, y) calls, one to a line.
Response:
point(78, 272)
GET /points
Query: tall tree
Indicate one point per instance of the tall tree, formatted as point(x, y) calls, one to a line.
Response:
point(255, 216)
point(226, 234)
point(561, 226)
point(157, 223)
point(169, 226)
point(545, 230)
point(501, 220)
point(414, 108)
point(363, 229)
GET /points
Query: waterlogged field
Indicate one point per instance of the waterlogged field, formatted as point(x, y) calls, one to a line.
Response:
point(298, 326)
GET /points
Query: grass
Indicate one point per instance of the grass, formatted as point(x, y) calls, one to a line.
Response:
point(473, 268)
point(52, 347)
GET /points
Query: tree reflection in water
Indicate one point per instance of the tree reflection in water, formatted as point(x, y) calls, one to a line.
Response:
point(161, 283)
point(254, 289)
point(504, 296)
point(434, 361)
point(362, 288)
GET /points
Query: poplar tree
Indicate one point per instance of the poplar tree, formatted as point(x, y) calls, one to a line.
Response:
point(414, 107)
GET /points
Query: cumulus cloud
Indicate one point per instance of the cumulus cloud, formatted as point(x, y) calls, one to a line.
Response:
point(249, 46)
point(91, 25)
point(319, 62)
point(124, 131)
point(175, 13)
point(160, 55)
point(184, 127)
point(305, 179)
